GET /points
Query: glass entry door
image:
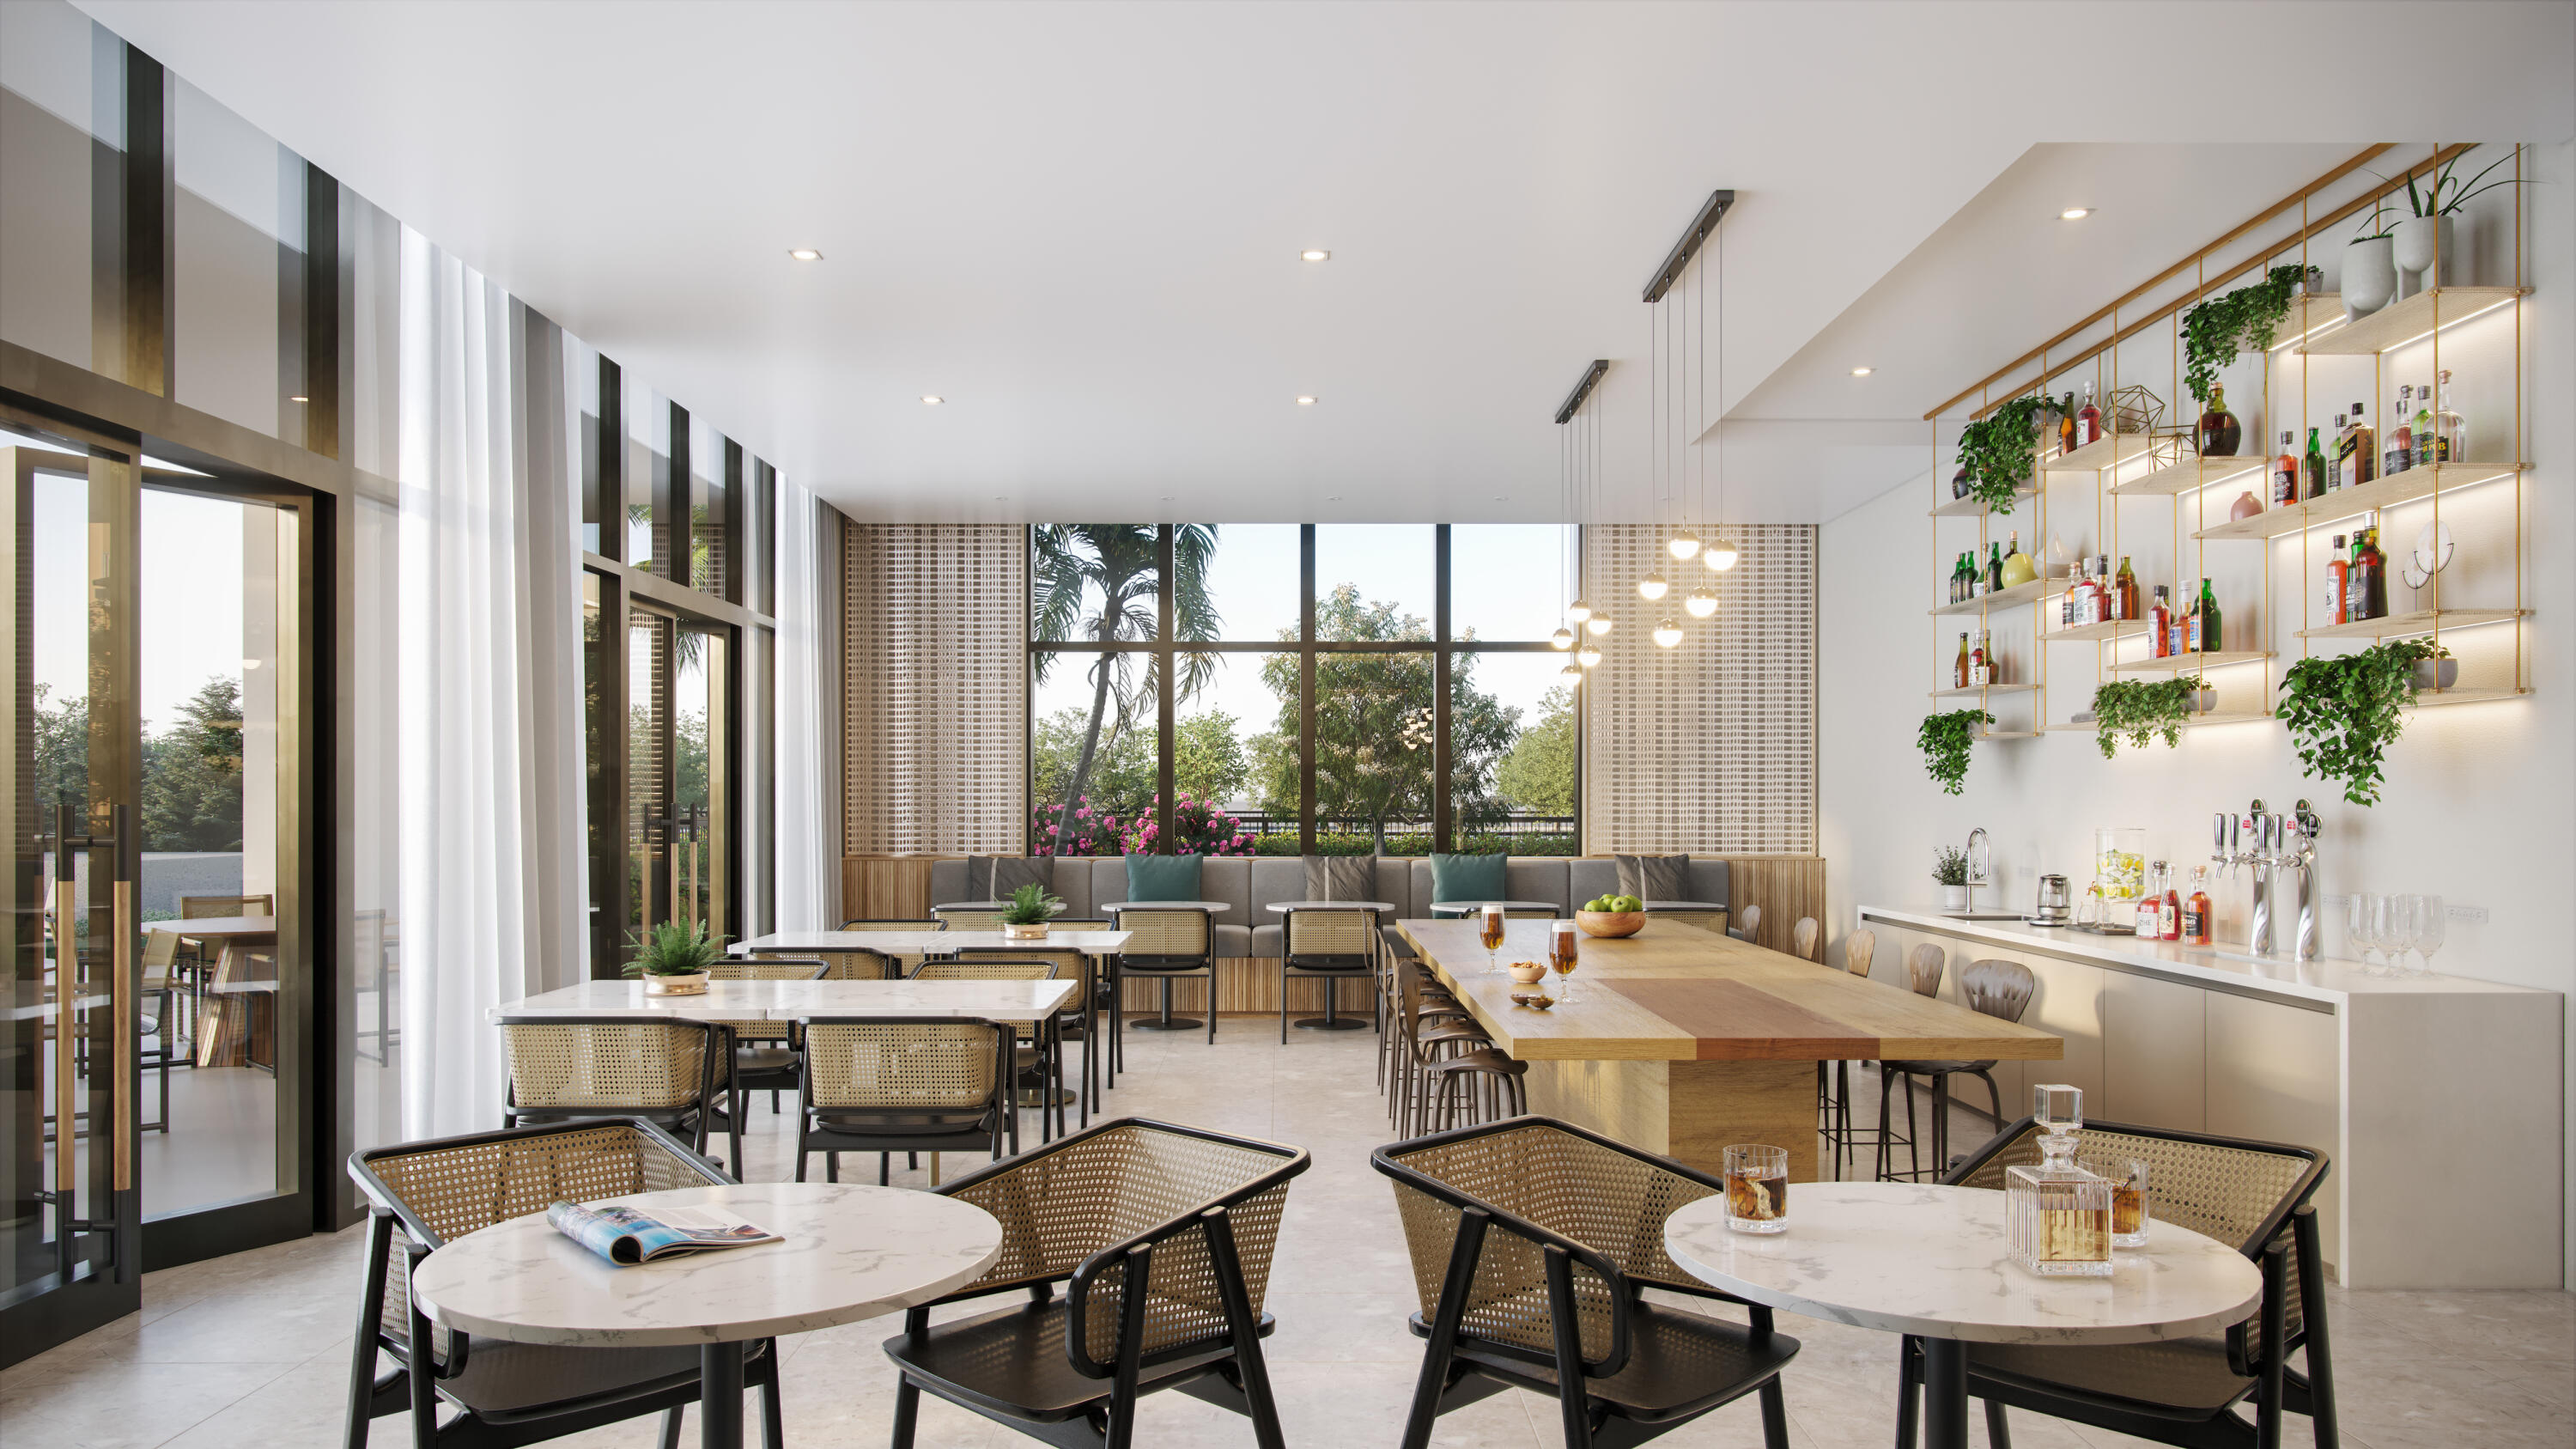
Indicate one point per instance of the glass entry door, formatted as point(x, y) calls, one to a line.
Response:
point(679, 773)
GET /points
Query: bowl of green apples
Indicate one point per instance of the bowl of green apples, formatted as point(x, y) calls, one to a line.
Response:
point(1611, 916)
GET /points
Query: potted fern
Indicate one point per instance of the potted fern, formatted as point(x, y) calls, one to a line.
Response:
point(1026, 913)
point(673, 958)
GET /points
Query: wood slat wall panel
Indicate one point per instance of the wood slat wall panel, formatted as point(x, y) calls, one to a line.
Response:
point(935, 664)
point(1709, 747)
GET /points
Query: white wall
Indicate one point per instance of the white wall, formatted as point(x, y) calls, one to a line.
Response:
point(2480, 800)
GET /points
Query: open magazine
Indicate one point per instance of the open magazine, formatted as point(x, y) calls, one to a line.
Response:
point(630, 1235)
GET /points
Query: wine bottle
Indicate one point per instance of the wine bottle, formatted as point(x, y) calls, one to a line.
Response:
point(1960, 672)
point(2450, 433)
point(2066, 424)
point(2212, 637)
point(2312, 469)
point(2088, 423)
point(2285, 471)
point(2365, 450)
point(2127, 589)
point(2400, 454)
point(1994, 568)
point(2342, 461)
point(2374, 574)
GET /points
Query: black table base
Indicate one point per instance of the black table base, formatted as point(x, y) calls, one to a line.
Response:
point(720, 1396)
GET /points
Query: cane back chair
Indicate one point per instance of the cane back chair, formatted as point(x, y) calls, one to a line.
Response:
point(1168, 944)
point(2253, 1195)
point(1081, 1018)
point(903, 1084)
point(666, 1071)
point(1533, 1242)
point(2000, 989)
point(1191, 1215)
point(1070, 1021)
point(435, 1191)
point(1330, 945)
point(764, 1052)
point(904, 960)
point(969, 917)
point(855, 964)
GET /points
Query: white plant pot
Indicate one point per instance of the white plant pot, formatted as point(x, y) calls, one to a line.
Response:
point(2202, 701)
point(2413, 250)
point(2369, 276)
point(1954, 898)
point(2436, 673)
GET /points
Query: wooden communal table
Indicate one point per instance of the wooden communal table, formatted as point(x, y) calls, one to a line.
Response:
point(238, 1025)
point(1682, 1041)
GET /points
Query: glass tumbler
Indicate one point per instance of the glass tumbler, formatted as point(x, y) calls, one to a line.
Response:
point(1757, 1188)
point(2129, 1205)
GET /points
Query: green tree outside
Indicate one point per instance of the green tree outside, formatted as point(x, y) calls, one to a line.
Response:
point(1537, 777)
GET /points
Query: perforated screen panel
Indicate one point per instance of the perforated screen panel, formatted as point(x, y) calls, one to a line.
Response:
point(936, 656)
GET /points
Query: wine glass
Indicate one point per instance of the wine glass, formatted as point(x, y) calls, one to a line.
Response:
point(2431, 917)
point(2360, 924)
point(2397, 930)
point(1492, 934)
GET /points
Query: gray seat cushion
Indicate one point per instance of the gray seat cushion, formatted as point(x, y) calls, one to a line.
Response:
point(1228, 878)
point(1536, 880)
point(1268, 942)
point(1654, 877)
point(1585, 879)
point(1234, 940)
point(947, 881)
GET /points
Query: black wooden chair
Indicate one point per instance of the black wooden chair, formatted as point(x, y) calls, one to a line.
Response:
point(2184, 1391)
point(1188, 1216)
point(764, 1052)
point(505, 1393)
point(1533, 1242)
point(672, 1073)
point(903, 1084)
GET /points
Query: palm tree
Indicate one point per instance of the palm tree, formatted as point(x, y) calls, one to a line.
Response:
point(1116, 563)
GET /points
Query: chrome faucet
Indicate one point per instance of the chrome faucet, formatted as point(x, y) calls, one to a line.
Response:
point(1981, 865)
point(2265, 831)
point(2300, 854)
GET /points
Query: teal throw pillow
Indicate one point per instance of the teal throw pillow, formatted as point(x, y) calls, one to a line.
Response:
point(1466, 878)
point(1163, 878)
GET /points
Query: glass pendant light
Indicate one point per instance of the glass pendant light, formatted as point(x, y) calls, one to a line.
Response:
point(1667, 634)
point(1563, 638)
point(1719, 556)
point(1683, 544)
point(1579, 611)
point(1573, 673)
point(1588, 655)
point(1653, 586)
point(1701, 603)
point(1597, 625)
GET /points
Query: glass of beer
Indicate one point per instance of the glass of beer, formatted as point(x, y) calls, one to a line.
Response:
point(1560, 954)
point(2128, 1179)
point(1492, 934)
point(1757, 1188)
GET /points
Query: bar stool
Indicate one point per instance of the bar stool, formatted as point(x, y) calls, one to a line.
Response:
point(1425, 1035)
point(1833, 1109)
point(2000, 989)
point(1805, 939)
point(1924, 966)
point(1747, 925)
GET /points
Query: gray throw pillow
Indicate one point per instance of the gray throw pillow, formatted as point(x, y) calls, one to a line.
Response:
point(1010, 872)
point(1655, 877)
point(1341, 878)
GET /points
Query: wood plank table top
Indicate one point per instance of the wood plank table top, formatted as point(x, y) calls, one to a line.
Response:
point(1677, 993)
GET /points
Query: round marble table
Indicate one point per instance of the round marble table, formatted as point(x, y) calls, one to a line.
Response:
point(1931, 1262)
point(850, 1252)
point(1166, 1021)
point(1329, 1021)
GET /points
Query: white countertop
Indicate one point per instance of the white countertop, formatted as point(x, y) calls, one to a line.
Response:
point(2226, 966)
point(1925, 1259)
point(936, 943)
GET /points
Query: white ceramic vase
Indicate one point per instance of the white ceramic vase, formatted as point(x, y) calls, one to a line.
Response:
point(2414, 251)
point(2369, 276)
point(1954, 898)
point(2437, 673)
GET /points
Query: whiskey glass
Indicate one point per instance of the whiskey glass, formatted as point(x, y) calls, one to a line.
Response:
point(1757, 1188)
point(2129, 1205)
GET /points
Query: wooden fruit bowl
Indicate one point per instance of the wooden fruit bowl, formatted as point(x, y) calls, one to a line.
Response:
point(1610, 925)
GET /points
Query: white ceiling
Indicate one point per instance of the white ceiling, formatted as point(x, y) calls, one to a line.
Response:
point(1079, 222)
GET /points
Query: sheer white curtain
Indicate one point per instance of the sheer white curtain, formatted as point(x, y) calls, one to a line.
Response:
point(808, 592)
point(488, 682)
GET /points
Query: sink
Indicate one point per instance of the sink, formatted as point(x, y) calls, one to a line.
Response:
point(1983, 915)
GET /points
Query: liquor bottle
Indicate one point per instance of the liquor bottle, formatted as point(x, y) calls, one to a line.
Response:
point(2427, 448)
point(2066, 424)
point(1994, 568)
point(2151, 904)
point(2374, 574)
point(2337, 465)
point(1978, 668)
point(2088, 423)
point(2180, 642)
point(2338, 583)
point(2070, 607)
point(2400, 454)
point(2365, 451)
point(1959, 673)
point(2212, 637)
point(2219, 430)
point(2160, 626)
point(2169, 907)
point(2312, 469)
point(2285, 471)
point(2127, 590)
point(2195, 909)
point(2450, 433)
point(2018, 569)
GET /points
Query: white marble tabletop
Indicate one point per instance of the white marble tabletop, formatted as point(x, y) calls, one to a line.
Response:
point(916, 943)
point(1214, 908)
point(851, 1251)
point(1011, 1001)
point(1931, 1261)
point(218, 926)
point(1284, 907)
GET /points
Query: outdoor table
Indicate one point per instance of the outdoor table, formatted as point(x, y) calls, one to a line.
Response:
point(850, 1252)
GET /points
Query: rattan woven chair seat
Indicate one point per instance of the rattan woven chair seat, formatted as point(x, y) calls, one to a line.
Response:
point(1680, 1363)
point(502, 1378)
point(1013, 1362)
point(2190, 1373)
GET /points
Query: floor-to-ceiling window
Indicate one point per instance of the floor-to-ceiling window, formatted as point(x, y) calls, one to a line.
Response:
point(1323, 680)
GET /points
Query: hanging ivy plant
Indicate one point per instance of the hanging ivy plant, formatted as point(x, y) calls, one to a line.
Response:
point(1999, 453)
point(2345, 710)
point(2139, 710)
point(2247, 318)
point(1945, 740)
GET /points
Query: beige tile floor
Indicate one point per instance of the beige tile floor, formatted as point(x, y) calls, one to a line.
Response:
point(252, 1350)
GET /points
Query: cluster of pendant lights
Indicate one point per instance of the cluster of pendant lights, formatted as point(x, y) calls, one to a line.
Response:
point(1679, 362)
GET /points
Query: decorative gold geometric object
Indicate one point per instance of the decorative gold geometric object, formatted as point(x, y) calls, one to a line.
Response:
point(2133, 409)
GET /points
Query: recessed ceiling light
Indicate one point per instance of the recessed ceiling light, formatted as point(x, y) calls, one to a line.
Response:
point(299, 397)
point(933, 399)
point(2075, 213)
point(1314, 254)
point(1332, 498)
point(1863, 371)
point(805, 254)
point(1304, 401)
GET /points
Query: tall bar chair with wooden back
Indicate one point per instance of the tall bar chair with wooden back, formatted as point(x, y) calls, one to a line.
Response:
point(1533, 1243)
point(2254, 1195)
point(904, 1084)
point(2000, 989)
point(1859, 947)
point(1807, 940)
point(432, 1192)
point(1748, 925)
point(1033, 1063)
point(665, 1071)
point(764, 1051)
point(1925, 965)
point(1440, 1045)
point(1162, 1238)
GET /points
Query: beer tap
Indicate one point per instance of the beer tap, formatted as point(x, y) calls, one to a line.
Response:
point(2266, 832)
point(2222, 844)
point(2300, 855)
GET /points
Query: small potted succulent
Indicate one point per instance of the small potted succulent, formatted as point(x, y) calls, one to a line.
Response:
point(1026, 913)
point(1950, 872)
point(673, 958)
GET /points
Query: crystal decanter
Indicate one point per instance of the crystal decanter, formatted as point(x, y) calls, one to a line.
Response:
point(2056, 1214)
